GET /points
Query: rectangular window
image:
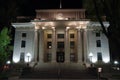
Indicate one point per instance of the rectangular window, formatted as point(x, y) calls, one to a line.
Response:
point(99, 56)
point(23, 43)
point(60, 35)
point(72, 44)
point(23, 34)
point(60, 44)
point(22, 57)
point(72, 57)
point(98, 34)
point(71, 35)
point(49, 45)
point(49, 35)
point(98, 43)
point(48, 56)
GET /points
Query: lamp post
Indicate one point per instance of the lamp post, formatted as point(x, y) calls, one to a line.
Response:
point(91, 55)
point(116, 63)
point(99, 71)
point(28, 57)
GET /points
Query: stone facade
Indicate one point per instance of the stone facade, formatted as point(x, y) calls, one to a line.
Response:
point(60, 36)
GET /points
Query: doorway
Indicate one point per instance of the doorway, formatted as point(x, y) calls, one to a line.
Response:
point(60, 57)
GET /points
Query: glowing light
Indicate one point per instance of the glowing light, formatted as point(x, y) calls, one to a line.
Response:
point(28, 57)
point(91, 54)
point(67, 27)
point(94, 60)
point(106, 60)
point(53, 27)
point(8, 62)
point(115, 62)
point(43, 27)
point(15, 60)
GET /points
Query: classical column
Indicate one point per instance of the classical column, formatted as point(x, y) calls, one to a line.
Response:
point(82, 43)
point(85, 45)
point(54, 46)
point(67, 46)
point(41, 45)
point(36, 47)
point(79, 47)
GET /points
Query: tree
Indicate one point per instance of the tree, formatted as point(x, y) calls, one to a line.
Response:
point(9, 10)
point(5, 47)
point(110, 9)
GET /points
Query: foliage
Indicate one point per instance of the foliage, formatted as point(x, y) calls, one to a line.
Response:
point(5, 48)
point(110, 9)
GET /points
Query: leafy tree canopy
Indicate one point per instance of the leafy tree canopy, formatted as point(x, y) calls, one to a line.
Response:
point(5, 48)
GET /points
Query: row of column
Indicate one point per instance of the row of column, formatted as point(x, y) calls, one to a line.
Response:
point(81, 45)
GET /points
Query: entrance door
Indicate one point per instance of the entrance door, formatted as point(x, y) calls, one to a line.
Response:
point(60, 57)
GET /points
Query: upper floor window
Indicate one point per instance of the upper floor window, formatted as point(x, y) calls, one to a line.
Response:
point(24, 35)
point(49, 45)
point(72, 36)
point(98, 43)
point(60, 35)
point(49, 35)
point(60, 44)
point(98, 34)
point(72, 44)
point(23, 44)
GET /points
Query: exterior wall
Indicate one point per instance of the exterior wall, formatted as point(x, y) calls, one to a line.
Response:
point(92, 48)
point(54, 14)
point(29, 44)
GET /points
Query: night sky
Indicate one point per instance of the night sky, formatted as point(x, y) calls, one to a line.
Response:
point(28, 9)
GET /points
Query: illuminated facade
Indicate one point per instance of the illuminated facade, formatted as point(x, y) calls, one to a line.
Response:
point(60, 36)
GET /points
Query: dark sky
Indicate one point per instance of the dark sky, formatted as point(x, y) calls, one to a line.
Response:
point(29, 7)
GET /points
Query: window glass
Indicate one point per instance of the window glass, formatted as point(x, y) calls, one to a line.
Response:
point(98, 43)
point(23, 44)
point(72, 57)
point(48, 56)
point(72, 44)
point(49, 35)
point(23, 34)
point(22, 57)
point(49, 44)
point(60, 44)
point(98, 34)
point(60, 35)
point(99, 56)
point(71, 35)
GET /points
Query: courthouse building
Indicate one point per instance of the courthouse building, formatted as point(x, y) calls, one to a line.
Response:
point(60, 36)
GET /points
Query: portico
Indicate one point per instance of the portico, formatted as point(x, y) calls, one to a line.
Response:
point(58, 43)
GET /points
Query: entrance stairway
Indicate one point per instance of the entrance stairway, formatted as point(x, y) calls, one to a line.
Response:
point(58, 71)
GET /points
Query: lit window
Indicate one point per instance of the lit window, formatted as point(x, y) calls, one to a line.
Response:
point(23, 43)
point(49, 35)
point(98, 43)
point(71, 35)
point(60, 35)
point(23, 34)
point(98, 34)
point(49, 45)
point(99, 56)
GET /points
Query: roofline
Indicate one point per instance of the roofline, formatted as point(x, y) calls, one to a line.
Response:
point(52, 10)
